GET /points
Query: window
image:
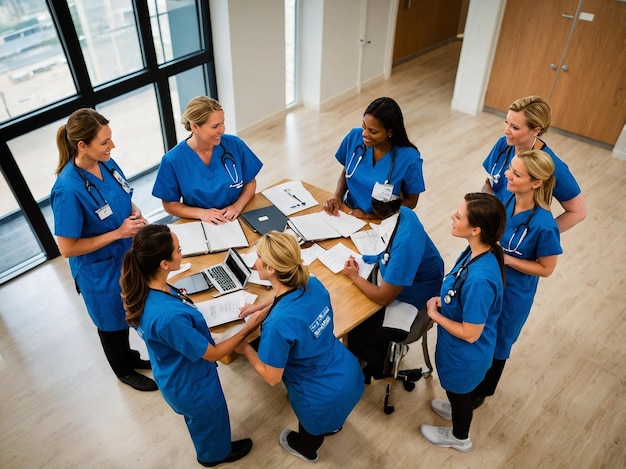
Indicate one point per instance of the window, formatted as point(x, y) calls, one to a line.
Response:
point(137, 61)
point(290, 51)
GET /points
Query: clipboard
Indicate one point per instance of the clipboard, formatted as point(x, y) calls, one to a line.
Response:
point(265, 219)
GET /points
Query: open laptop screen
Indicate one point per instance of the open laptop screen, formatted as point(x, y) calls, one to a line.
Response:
point(235, 268)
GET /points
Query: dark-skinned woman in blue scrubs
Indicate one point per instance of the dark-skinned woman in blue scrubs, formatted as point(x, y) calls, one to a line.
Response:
point(181, 349)
point(323, 379)
point(94, 221)
point(378, 152)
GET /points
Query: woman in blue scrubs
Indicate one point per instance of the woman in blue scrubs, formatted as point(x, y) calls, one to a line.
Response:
point(182, 351)
point(526, 120)
point(531, 244)
point(379, 152)
point(410, 273)
point(209, 176)
point(323, 379)
point(94, 221)
point(466, 313)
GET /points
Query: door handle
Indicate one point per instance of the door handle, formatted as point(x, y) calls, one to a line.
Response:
point(565, 68)
point(553, 66)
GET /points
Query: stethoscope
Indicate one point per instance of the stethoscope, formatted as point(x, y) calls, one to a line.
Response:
point(114, 173)
point(524, 232)
point(461, 274)
point(386, 254)
point(362, 149)
point(494, 175)
point(234, 175)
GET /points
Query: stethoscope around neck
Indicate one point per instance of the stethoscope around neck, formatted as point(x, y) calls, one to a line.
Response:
point(494, 175)
point(234, 174)
point(385, 259)
point(526, 228)
point(362, 149)
point(114, 173)
point(461, 274)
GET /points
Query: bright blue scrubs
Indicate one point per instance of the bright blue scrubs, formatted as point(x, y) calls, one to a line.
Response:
point(361, 176)
point(183, 174)
point(97, 273)
point(461, 365)
point(414, 261)
point(542, 239)
point(176, 336)
point(499, 160)
point(323, 379)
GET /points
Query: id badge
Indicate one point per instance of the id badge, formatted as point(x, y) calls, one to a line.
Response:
point(382, 192)
point(104, 211)
point(122, 182)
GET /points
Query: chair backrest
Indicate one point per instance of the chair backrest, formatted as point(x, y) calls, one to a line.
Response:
point(419, 327)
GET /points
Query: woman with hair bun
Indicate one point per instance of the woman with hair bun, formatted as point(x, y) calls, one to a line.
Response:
point(323, 379)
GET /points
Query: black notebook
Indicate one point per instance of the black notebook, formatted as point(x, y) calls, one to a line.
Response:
point(263, 220)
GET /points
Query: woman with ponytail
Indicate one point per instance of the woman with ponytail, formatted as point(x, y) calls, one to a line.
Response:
point(323, 379)
point(181, 349)
point(466, 315)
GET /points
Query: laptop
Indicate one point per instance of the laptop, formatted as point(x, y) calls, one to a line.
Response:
point(195, 283)
point(231, 275)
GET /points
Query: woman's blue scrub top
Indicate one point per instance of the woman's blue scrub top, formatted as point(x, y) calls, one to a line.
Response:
point(361, 176)
point(182, 174)
point(499, 159)
point(97, 273)
point(461, 366)
point(542, 239)
point(323, 379)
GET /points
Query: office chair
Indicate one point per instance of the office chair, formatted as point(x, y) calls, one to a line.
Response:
point(397, 351)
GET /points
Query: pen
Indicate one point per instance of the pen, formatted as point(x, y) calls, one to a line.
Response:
point(300, 202)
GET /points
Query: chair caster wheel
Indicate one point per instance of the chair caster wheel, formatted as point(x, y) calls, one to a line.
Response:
point(409, 386)
point(389, 409)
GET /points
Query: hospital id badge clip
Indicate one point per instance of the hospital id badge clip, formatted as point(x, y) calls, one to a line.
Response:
point(104, 211)
point(382, 192)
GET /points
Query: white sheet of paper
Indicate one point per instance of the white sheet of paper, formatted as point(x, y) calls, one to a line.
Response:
point(343, 223)
point(335, 258)
point(290, 197)
point(183, 268)
point(399, 315)
point(225, 308)
point(368, 242)
point(311, 253)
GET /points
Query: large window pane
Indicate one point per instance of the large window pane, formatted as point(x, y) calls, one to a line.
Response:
point(108, 37)
point(33, 68)
point(175, 27)
point(184, 87)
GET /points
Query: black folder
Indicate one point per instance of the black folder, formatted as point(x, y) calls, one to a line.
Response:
point(263, 220)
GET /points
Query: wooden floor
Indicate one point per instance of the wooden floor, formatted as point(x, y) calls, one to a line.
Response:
point(561, 402)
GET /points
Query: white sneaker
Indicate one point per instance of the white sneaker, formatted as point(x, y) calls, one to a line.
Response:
point(442, 436)
point(282, 439)
point(442, 408)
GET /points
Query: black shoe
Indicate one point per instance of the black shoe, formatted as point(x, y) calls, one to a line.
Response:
point(238, 450)
point(139, 382)
point(477, 402)
point(142, 364)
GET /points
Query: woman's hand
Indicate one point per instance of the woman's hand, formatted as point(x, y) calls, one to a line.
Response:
point(241, 348)
point(131, 226)
point(351, 268)
point(249, 309)
point(357, 212)
point(231, 212)
point(214, 215)
point(332, 206)
point(432, 307)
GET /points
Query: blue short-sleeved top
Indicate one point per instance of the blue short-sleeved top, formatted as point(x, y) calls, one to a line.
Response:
point(499, 159)
point(362, 174)
point(461, 365)
point(182, 174)
point(75, 216)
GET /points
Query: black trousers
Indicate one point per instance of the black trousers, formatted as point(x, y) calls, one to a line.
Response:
point(117, 349)
point(462, 413)
point(489, 383)
point(304, 442)
point(369, 341)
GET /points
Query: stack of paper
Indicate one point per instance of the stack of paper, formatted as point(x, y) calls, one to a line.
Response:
point(321, 225)
point(226, 308)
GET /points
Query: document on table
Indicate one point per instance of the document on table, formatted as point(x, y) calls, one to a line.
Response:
point(335, 258)
point(368, 242)
point(319, 226)
point(225, 308)
point(290, 197)
point(199, 237)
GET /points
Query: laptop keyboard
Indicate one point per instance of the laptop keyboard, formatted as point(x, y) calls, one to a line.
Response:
point(222, 277)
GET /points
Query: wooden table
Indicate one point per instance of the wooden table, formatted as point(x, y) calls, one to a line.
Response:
point(350, 305)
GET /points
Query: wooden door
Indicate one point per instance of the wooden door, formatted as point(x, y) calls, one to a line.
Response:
point(589, 98)
point(424, 23)
point(533, 36)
